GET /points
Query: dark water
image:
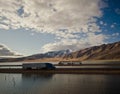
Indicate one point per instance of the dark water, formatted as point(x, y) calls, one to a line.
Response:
point(59, 84)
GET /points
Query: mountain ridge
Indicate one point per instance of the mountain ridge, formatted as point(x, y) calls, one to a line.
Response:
point(104, 51)
point(109, 51)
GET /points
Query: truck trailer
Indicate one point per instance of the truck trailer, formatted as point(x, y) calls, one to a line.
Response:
point(38, 66)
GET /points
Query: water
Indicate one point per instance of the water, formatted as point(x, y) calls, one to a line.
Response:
point(59, 84)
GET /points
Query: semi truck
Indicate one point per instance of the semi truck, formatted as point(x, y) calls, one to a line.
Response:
point(38, 66)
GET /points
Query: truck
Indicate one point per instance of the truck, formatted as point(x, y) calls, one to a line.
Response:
point(38, 66)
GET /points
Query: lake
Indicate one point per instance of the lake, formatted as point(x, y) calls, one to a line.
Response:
point(59, 84)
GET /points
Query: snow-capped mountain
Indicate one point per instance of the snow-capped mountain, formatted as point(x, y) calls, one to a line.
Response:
point(51, 54)
point(58, 53)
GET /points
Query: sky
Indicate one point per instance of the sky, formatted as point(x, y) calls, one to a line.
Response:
point(37, 26)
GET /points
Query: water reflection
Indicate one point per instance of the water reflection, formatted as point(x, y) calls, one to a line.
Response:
point(34, 82)
point(112, 85)
point(59, 84)
point(36, 76)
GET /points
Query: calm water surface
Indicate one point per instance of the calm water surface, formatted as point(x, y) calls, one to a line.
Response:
point(59, 84)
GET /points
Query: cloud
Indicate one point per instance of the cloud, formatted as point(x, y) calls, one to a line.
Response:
point(32, 34)
point(5, 51)
point(90, 39)
point(73, 22)
point(50, 16)
point(112, 26)
point(117, 11)
point(115, 34)
point(101, 22)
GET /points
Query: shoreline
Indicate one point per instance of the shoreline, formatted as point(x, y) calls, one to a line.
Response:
point(64, 71)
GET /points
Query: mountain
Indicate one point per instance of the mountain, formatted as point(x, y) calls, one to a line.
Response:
point(52, 54)
point(103, 52)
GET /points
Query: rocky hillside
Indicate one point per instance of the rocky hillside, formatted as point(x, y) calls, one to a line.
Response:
point(52, 54)
point(102, 52)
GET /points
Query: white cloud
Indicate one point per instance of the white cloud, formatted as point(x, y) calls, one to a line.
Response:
point(112, 26)
point(101, 22)
point(5, 51)
point(73, 22)
point(4, 26)
point(115, 34)
point(39, 14)
point(91, 39)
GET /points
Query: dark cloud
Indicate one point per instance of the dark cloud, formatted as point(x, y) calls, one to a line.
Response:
point(5, 51)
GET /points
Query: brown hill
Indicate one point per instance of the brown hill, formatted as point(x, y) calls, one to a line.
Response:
point(102, 52)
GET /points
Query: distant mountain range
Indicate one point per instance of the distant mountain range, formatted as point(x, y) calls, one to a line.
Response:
point(102, 52)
